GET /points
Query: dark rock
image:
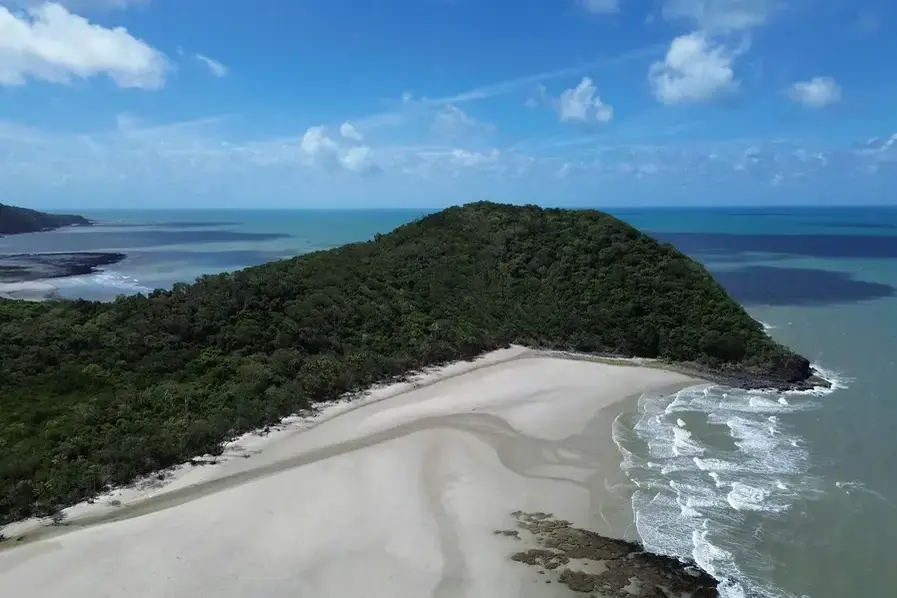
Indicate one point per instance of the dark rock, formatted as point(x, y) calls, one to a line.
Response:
point(578, 581)
point(24, 267)
point(658, 575)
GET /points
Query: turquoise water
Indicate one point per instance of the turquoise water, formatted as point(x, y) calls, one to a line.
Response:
point(790, 494)
point(781, 494)
point(164, 247)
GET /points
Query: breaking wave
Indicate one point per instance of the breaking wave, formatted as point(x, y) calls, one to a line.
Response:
point(707, 458)
point(103, 285)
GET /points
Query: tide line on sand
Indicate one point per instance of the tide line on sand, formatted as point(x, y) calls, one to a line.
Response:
point(397, 494)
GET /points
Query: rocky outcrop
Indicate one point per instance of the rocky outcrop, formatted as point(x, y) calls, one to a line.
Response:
point(596, 565)
point(27, 267)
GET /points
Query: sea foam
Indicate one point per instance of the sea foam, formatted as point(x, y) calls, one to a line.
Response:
point(694, 491)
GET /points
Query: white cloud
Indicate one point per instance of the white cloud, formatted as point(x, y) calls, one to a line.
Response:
point(694, 70)
point(818, 92)
point(350, 132)
point(77, 5)
point(52, 44)
point(358, 159)
point(463, 157)
point(720, 15)
point(316, 142)
point(601, 6)
point(581, 103)
point(400, 115)
point(197, 162)
point(451, 121)
point(215, 67)
point(201, 161)
point(318, 149)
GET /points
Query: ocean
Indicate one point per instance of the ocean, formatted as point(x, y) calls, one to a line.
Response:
point(778, 494)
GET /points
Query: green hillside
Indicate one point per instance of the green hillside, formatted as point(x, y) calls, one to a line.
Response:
point(95, 394)
point(15, 220)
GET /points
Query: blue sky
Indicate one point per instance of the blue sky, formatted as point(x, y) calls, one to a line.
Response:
point(426, 103)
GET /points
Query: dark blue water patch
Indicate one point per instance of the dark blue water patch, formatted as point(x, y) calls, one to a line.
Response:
point(840, 212)
point(854, 224)
point(176, 224)
point(97, 240)
point(786, 213)
point(227, 258)
point(799, 245)
point(715, 257)
point(766, 285)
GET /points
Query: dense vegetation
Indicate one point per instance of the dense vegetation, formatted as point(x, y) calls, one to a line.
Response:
point(15, 220)
point(95, 394)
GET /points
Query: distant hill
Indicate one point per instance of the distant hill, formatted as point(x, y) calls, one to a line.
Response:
point(94, 394)
point(14, 220)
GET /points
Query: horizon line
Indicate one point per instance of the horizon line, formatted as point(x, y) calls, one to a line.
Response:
point(439, 208)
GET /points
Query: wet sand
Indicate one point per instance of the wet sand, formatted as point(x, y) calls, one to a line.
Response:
point(399, 496)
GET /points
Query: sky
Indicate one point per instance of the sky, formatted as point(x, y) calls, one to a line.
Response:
point(428, 103)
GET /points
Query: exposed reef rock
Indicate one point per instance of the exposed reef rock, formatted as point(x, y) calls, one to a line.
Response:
point(40, 266)
point(588, 562)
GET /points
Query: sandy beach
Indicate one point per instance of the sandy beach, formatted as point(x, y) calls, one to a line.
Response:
point(398, 494)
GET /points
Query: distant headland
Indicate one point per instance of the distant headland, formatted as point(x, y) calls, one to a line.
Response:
point(28, 267)
point(16, 221)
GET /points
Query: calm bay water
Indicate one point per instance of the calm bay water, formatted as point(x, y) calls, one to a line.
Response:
point(786, 494)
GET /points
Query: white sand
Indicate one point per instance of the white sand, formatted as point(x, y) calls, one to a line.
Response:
point(396, 498)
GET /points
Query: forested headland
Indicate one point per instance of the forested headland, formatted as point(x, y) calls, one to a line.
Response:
point(95, 394)
point(15, 220)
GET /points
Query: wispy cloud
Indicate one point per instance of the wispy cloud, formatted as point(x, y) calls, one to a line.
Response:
point(410, 107)
point(216, 68)
point(78, 5)
point(527, 81)
point(721, 15)
point(127, 123)
point(198, 154)
point(16, 133)
point(451, 121)
point(601, 7)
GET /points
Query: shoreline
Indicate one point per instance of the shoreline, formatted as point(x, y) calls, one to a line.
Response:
point(205, 468)
point(29, 276)
point(733, 378)
point(442, 461)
